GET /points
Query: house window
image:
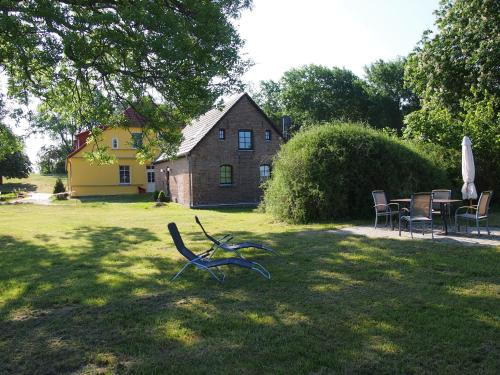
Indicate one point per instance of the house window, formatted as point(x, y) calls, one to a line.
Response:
point(124, 174)
point(245, 140)
point(226, 175)
point(114, 143)
point(151, 176)
point(136, 140)
point(265, 172)
point(222, 134)
point(268, 135)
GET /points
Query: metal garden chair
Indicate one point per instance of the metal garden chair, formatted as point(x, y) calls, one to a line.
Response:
point(475, 213)
point(420, 212)
point(202, 261)
point(436, 207)
point(382, 208)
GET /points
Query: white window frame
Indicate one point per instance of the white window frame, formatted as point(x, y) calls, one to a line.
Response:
point(113, 141)
point(262, 177)
point(120, 175)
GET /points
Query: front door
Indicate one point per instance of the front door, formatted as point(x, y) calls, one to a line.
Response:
point(151, 178)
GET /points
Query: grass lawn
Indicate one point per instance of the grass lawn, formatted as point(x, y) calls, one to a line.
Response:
point(84, 288)
point(35, 182)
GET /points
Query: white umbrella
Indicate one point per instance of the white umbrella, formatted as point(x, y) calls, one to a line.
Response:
point(468, 170)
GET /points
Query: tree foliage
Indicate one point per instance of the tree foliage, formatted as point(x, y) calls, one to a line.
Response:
point(457, 75)
point(103, 55)
point(15, 165)
point(390, 100)
point(52, 159)
point(314, 94)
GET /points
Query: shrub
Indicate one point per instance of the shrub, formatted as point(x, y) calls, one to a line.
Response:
point(155, 195)
point(329, 171)
point(162, 197)
point(59, 188)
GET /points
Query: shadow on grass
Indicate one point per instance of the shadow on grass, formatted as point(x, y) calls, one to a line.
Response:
point(335, 304)
point(132, 198)
point(9, 187)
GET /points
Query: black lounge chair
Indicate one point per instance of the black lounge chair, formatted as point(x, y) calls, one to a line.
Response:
point(223, 244)
point(201, 261)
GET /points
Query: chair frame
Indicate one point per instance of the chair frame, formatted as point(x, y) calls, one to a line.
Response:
point(202, 261)
point(410, 219)
point(477, 218)
point(388, 213)
point(447, 206)
point(223, 243)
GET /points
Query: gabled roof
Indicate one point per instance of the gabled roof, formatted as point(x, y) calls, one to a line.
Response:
point(193, 133)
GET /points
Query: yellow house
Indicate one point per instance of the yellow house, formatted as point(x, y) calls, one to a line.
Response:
point(125, 176)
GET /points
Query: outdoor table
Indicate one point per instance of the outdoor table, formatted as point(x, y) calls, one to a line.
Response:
point(442, 205)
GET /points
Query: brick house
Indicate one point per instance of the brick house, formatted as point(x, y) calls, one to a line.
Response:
point(224, 157)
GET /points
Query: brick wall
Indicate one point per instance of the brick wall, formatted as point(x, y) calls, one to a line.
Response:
point(179, 179)
point(211, 153)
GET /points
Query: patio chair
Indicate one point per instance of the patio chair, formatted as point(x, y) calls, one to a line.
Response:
point(441, 194)
point(382, 208)
point(420, 212)
point(475, 213)
point(223, 244)
point(200, 260)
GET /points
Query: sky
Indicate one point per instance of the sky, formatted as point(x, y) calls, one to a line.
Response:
point(283, 34)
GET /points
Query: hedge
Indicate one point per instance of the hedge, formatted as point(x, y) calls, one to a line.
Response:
point(329, 171)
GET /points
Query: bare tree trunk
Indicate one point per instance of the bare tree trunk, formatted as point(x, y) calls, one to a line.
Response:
point(1, 180)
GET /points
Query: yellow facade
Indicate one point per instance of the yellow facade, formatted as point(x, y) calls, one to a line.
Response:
point(85, 179)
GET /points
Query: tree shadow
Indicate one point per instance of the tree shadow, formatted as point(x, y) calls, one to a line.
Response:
point(9, 187)
point(334, 304)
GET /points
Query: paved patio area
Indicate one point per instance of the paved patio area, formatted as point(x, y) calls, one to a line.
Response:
point(470, 239)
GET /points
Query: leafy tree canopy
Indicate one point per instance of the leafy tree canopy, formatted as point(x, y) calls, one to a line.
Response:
point(15, 165)
point(456, 73)
point(463, 59)
point(110, 54)
point(52, 159)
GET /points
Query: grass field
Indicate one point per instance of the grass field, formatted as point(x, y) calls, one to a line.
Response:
point(35, 182)
point(84, 288)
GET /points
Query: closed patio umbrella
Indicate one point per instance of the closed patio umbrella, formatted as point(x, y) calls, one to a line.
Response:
point(468, 170)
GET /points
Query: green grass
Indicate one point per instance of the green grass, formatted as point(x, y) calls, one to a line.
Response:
point(35, 182)
point(84, 288)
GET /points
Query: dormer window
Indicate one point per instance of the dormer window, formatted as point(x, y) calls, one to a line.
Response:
point(268, 135)
point(114, 143)
point(222, 134)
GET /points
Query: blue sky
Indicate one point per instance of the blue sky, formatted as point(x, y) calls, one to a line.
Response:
point(282, 34)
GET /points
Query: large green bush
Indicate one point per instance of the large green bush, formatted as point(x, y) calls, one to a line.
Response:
point(329, 171)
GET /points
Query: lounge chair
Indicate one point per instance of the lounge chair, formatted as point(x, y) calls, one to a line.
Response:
point(475, 213)
point(223, 244)
point(382, 208)
point(200, 260)
point(420, 212)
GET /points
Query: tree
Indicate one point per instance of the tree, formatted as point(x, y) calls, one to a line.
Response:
point(316, 93)
point(9, 143)
point(390, 99)
point(183, 54)
point(15, 165)
point(456, 75)
point(462, 60)
point(52, 159)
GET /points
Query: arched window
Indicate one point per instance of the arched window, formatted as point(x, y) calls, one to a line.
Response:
point(114, 143)
point(265, 172)
point(226, 174)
